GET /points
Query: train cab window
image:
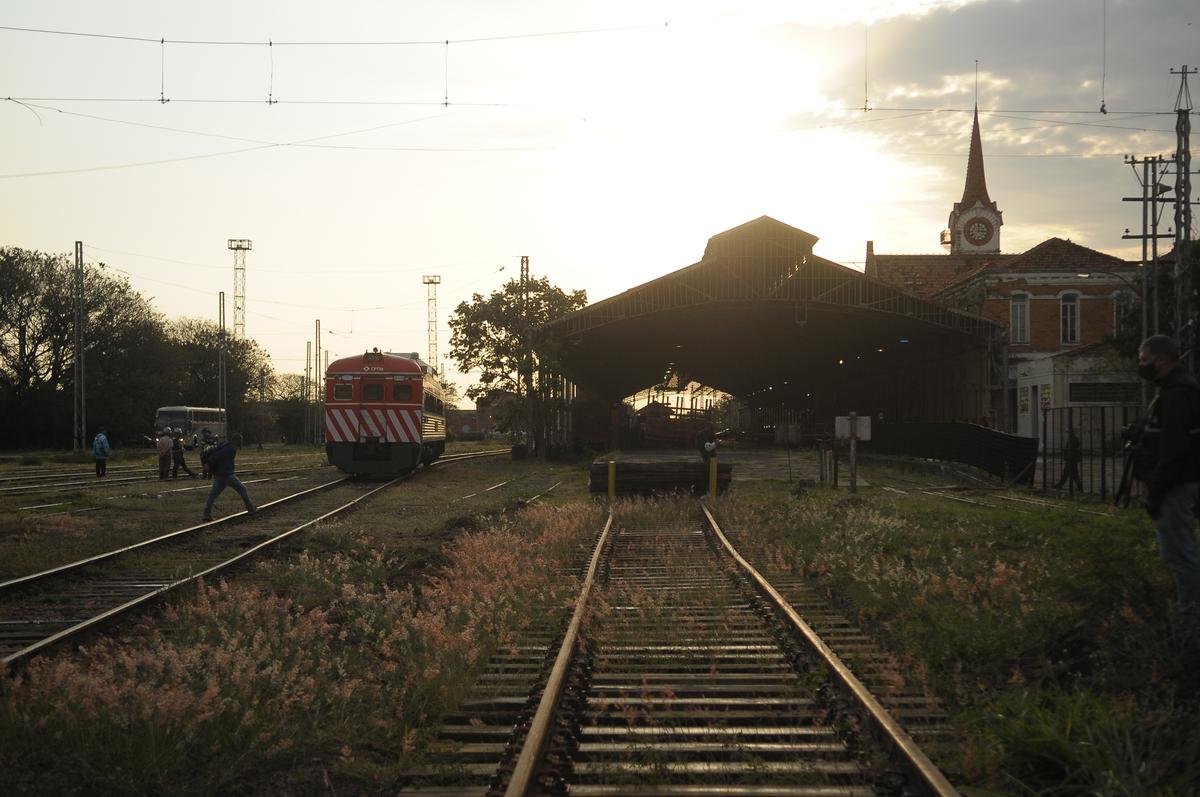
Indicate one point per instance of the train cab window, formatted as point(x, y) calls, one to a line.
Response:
point(372, 391)
point(343, 391)
point(402, 391)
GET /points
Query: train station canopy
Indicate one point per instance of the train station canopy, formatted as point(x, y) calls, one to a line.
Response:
point(760, 312)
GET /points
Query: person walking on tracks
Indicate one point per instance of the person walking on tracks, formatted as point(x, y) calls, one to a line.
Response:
point(100, 451)
point(177, 460)
point(1170, 467)
point(164, 453)
point(220, 463)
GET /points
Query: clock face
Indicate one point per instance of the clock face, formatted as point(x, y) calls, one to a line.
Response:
point(978, 230)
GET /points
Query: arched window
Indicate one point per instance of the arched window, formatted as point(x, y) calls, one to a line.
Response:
point(1069, 313)
point(1018, 318)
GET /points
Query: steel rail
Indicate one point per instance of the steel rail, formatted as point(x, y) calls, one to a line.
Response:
point(124, 470)
point(91, 560)
point(912, 754)
point(539, 729)
point(109, 614)
point(93, 483)
point(136, 602)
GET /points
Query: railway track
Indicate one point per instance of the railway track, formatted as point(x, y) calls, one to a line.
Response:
point(43, 609)
point(34, 484)
point(682, 671)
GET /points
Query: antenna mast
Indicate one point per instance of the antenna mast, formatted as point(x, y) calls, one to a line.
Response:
point(432, 281)
point(239, 246)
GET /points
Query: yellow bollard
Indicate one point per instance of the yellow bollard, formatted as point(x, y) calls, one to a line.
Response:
point(612, 480)
point(712, 476)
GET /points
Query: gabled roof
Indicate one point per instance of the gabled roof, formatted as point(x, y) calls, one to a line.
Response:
point(975, 189)
point(925, 275)
point(1053, 254)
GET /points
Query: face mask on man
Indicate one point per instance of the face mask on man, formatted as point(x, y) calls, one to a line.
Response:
point(1148, 371)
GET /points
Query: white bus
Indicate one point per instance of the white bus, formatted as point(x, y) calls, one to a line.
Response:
point(192, 420)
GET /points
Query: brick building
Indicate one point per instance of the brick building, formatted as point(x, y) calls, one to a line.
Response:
point(1058, 301)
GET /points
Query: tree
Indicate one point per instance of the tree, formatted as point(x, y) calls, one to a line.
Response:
point(123, 350)
point(1129, 333)
point(248, 372)
point(493, 334)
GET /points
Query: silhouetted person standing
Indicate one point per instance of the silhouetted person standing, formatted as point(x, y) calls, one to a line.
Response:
point(177, 460)
point(1172, 473)
point(164, 453)
point(1072, 454)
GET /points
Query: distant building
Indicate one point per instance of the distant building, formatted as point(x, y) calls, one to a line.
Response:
point(972, 237)
point(473, 424)
point(1058, 301)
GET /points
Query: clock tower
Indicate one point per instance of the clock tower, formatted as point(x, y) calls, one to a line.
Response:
point(974, 220)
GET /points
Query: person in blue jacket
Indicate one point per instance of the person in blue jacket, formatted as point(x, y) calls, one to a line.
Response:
point(220, 464)
point(100, 452)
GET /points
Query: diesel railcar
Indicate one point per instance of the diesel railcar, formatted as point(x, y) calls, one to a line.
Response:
point(384, 413)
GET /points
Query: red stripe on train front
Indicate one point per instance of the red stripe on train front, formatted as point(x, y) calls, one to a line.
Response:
point(397, 426)
point(347, 420)
point(366, 426)
point(333, 431)
point(412, 422)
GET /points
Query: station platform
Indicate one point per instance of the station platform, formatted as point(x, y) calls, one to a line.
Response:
point(749, 464)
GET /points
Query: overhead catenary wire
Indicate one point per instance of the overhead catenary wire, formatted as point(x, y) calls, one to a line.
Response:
point(381, 43)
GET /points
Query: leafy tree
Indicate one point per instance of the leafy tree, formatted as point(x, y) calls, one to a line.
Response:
point(495, 336)
point(492, 335)
point(124, 354)
point(287, 405)
point(249, 376)
point(1128, 335)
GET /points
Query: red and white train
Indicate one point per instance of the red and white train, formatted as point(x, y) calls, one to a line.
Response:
point(384, 413)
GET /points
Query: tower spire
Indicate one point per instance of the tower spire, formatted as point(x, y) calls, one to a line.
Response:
point(974, 220)
point(976, 185)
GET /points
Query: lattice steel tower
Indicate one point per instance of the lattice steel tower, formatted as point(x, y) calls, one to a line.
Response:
point(432, 280)
point(239, 246)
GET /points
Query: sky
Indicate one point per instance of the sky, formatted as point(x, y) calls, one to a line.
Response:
point(362, 146)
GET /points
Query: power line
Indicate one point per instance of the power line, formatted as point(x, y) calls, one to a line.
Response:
point(394, 43)
point(242, 101)
point(295, 272)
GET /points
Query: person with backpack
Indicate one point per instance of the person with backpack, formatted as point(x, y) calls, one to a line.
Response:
point(207, 444)
point(100, 451)
point(221, 463)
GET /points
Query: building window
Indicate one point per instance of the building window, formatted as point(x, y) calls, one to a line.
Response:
point(1018, 325)
point(1070, 318)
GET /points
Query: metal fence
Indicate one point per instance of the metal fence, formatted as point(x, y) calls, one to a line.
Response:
point(1082, 449)
point(1010, 457)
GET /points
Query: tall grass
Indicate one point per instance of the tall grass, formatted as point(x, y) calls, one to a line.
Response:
point(336, 672)
point(1044, 631)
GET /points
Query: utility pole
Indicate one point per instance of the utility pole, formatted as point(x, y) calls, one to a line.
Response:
point(79, 422)
point(1185, 277)
point(432, 281)
point(1151, 198)
point(307, 391)
point(221, 364)
point(318, 383)
point(239, 246)
point(527, 355)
